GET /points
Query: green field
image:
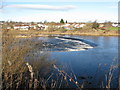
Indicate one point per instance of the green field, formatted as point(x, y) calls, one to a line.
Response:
point(113, 28)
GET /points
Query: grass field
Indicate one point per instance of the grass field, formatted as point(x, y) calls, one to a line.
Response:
point(113, 28)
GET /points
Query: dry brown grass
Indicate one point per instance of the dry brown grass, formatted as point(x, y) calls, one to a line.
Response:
point(13, 65)
point(15, 71)
point(90, 32)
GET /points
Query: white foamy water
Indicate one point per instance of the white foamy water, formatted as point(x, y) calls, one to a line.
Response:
point(64, 44)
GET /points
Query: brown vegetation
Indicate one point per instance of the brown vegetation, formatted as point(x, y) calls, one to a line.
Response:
point(16, 72)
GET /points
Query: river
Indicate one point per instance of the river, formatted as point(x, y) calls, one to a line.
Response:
point(88, 64)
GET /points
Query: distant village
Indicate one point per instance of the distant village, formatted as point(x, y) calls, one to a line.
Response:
point(10, 25)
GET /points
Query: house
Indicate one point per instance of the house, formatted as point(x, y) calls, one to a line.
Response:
point(46, 27)
point(76, 25)
point(33, 26)
point(115, 25)
point(79, 25)
point(101, 25)
point(21, 27)
point(8, 28)
point(82, 25)
point(66, 25)
point(42, 27)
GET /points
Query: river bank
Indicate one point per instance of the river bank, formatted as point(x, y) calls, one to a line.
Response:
point(35, 33)
point(84, 33)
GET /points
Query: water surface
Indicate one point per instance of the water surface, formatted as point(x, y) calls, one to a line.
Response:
point(90, 64)
point(93, 62)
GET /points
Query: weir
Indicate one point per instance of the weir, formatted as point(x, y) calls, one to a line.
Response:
point(66, 44)
point(85, 41)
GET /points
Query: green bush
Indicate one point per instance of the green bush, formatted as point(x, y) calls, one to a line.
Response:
point(62, 21)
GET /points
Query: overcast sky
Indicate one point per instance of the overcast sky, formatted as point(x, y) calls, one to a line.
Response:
point(51, 10)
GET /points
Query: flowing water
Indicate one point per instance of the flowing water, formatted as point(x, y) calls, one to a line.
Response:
point(88, 57)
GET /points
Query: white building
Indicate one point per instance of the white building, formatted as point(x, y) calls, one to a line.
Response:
point(79, 25)
point(21, 27)
point(101, 25)
point(42, 27)
point(82, 25)
point(76, 26)
point(115, 24)
point(66, 25)
point(33, 26)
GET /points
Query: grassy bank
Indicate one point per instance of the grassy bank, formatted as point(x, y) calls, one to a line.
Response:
point(36, 33)
point(90, 33)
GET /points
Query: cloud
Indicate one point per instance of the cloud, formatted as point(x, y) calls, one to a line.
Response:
point(42, 7)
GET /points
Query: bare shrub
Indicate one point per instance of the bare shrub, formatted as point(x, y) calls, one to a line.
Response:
point(16, 71)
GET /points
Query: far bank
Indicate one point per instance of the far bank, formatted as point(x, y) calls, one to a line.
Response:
point(35, 33)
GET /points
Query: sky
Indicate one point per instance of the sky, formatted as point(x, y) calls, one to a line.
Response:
point(54, 10)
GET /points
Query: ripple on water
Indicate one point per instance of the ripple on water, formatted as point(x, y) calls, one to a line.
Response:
point(66, 44)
